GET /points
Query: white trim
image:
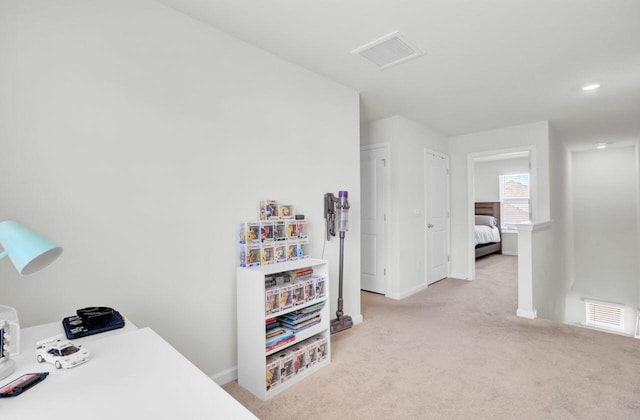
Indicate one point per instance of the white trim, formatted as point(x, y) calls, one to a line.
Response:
point(459, 276)
point(387, 231)
point(413, 291)
point(534, 226)
point(533, 194)
point(225, 376)
point(526, 314)
point(513, 254)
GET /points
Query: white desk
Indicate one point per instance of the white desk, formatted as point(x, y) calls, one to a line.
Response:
point(132, 374)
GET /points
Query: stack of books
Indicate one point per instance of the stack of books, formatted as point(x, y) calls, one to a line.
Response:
point(303, 272)
point(301, 319)
point(276, 335)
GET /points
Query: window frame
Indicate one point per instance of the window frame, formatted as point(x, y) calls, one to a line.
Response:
point(501, 181)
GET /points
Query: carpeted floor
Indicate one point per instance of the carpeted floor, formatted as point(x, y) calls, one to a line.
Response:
point(457, 351)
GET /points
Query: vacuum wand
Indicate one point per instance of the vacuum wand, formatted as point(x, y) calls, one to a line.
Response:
point(338, 209)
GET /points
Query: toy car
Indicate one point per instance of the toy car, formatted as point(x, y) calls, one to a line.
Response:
point(61, 352)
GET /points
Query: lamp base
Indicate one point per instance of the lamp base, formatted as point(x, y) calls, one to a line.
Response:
point(7, 368)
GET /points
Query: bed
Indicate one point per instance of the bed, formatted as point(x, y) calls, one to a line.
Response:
point(487, 236)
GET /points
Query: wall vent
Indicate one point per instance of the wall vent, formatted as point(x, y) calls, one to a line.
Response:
point(388, 50)
point(605, 315)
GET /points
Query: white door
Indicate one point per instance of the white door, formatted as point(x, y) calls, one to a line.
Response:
point(374, 202)
point(436, 216)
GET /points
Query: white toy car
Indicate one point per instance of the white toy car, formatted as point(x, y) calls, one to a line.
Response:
point(61, 352)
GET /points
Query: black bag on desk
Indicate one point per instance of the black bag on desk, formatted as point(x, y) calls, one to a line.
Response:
point(92, 320)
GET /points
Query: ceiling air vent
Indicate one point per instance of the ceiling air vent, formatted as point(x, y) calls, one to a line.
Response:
point(388, 50)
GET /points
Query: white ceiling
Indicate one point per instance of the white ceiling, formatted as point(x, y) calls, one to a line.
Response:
point(487, 63)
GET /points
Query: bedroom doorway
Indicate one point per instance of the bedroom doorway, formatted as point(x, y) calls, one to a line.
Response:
point(502, 184)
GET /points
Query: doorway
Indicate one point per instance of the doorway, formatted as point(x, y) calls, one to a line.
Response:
point(374, 190)
point(487, 174)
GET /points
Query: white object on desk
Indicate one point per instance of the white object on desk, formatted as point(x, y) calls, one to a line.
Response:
point(132, 374)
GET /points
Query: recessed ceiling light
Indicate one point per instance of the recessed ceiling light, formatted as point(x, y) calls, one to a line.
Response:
point(603, 145)
point(591, 86)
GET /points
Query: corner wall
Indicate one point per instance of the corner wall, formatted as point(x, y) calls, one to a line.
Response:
point(407, 140)
point(138, 139)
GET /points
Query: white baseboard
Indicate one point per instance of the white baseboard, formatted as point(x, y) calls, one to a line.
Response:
point(514, 254)
point(526, 314)
point(225, 376)
point(407, 293)
point(458, 276)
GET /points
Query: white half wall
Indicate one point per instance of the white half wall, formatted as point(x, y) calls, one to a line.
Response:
point(407, 140)
point(138, 138)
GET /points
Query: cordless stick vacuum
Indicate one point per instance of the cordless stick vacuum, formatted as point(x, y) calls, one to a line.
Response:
point(338, 208)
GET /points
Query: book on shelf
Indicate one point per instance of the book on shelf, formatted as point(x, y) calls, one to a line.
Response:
point(280, 343)
point(296, 328)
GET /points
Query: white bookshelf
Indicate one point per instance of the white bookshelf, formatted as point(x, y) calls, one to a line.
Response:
point(252, 354)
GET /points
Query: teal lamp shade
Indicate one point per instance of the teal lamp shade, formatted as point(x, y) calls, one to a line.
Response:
point(28, 251)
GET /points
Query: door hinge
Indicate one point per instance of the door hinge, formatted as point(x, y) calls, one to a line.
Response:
point(385, 217)
point(448, 258)
point(384, 271)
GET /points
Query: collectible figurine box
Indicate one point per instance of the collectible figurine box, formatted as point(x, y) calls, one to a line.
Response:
point(299, 359)
point(250, 233)
point(280, 251)
point(250, 255)
point(272, 300)
point(266, 230)
point(284, 211)
point(320, 287)
point(302, 229)
point(322, 348)
point(280, 230)
point(267, 209)
point(286, 296)
point(303, 249)
point(273, 372)
point(287, 370)
point(298, 293)
point(311, 348)
point(291, 229)
point(310, 288)
point(268, 253)
point(292, 250)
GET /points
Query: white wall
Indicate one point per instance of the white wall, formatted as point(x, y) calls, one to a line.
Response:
point(487, 176)
point(138, 139)
point(605, 238)
point(407, 140)
point(462, 148)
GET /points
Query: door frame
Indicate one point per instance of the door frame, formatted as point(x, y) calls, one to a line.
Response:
point(471, 178)
point(386, 148)
point(448, 207)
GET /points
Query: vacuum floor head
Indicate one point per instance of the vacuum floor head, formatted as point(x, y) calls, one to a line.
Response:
point(340, 324)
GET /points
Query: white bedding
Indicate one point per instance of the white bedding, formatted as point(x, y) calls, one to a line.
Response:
point(486, 234)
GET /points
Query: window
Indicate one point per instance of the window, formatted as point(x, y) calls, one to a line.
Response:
point(514, 199)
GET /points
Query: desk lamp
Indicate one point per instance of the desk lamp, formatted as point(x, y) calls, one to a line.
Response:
point(29, 253)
